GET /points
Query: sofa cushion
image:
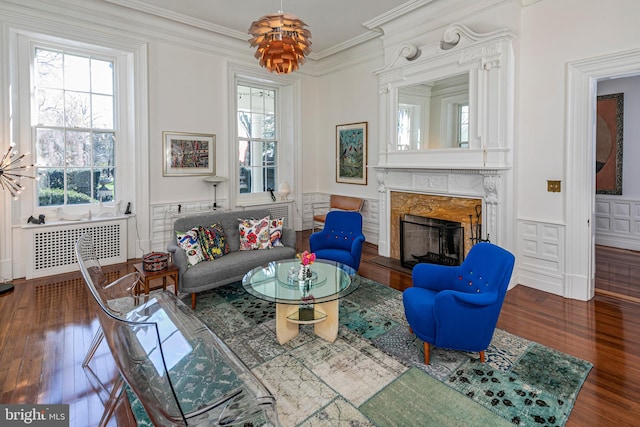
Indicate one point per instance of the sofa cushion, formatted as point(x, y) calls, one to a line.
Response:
point(275, 231)
point(213, 242)
point(188, 240)
point(254, 233)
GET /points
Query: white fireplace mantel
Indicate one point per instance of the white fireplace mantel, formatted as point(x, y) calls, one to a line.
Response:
point(484, 169)
point(489, 185)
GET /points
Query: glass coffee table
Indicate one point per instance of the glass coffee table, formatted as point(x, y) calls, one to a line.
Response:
point(311, 301)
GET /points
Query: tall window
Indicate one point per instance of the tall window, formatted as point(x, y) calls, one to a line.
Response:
point(257, 138)
point(73, 107)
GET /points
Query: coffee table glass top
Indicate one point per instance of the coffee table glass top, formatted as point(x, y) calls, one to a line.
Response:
point(278, 282)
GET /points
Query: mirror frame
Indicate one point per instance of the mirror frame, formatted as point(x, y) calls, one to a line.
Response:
point(488, 59)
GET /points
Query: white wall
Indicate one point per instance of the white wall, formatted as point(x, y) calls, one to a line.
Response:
point(555, 34)
point(345, 96)
point(187, 93)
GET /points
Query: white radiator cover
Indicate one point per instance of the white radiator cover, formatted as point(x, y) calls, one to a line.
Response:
point(50, 249)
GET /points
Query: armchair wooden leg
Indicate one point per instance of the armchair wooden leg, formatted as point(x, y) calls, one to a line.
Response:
point(193, 301)
point(410, 330)
point(482, 356)
point(427, 353)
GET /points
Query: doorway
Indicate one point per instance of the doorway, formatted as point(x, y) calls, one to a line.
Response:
point(583, 77)
point(617, 256)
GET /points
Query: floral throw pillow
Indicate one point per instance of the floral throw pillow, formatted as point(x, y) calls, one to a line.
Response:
point(188, 240)
point(275, 231)
point(254, 234)
point(213, 242)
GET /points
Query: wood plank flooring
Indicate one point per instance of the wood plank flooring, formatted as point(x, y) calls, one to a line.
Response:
point(46, 326)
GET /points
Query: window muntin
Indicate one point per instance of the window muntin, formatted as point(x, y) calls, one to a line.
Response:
point(257, 138)
point(73, 127)
point(462, 127)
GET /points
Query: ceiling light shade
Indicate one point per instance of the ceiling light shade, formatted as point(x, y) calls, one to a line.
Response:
point(282, 42)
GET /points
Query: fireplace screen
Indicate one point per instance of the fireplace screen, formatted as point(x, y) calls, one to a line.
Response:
point(430, 240)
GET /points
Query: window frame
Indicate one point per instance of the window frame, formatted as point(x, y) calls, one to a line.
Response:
point(91, 54)
point(288, 132)
point(276, 139)
point(122, 125)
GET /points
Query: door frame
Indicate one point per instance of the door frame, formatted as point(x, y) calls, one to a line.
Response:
point(582, 80)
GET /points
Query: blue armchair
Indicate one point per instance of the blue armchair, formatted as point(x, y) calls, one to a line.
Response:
point(341, 238)
point(458, 307)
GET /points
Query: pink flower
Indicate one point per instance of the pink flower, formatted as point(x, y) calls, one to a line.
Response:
point(306, 258)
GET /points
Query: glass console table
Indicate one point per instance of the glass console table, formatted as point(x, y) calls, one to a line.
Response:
point(311, 301)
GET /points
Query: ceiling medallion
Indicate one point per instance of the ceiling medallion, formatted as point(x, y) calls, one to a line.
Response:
point(282, 41)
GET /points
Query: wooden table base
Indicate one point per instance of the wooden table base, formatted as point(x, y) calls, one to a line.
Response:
point(325, 327)
point(147, 276)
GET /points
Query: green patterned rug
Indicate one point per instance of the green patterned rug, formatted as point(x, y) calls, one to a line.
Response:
point(374, 375)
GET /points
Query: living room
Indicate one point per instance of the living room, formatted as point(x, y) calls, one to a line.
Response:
point(183, 80)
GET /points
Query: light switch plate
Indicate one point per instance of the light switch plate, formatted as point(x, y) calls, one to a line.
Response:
point(553, 186)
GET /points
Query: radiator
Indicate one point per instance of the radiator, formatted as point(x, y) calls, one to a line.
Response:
point(50, 249)
point(278, 210)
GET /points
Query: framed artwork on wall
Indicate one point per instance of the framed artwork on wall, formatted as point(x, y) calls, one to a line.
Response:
point(189, 154)
point(609, 136)
point(351, 153)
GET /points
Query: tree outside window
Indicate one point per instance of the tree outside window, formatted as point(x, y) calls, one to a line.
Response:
point(73, 115)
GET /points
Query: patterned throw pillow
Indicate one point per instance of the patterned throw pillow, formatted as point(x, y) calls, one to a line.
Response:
point(275, 231)
point(254, 234)
point(213, 242)
point(188, 240)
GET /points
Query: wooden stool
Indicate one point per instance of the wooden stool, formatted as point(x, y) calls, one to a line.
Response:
point(147, 276)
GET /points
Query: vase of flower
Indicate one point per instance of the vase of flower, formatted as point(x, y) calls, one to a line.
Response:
point(306, 259)
point(304, 272)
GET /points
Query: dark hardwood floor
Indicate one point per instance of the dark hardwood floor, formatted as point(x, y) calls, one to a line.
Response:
point(46, 326)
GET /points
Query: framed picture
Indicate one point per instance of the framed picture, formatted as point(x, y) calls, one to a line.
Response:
point(351, 153)
point(189, 154)
point(609, 135)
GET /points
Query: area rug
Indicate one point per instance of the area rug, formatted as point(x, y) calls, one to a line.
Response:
point(374, 375)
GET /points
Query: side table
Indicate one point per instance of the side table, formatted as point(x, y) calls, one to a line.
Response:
point(147, 276)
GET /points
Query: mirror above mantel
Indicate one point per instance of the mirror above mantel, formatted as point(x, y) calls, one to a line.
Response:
point(449, 102)
point(434, 115)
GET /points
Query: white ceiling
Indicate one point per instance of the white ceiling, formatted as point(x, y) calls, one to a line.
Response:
point(334, 24)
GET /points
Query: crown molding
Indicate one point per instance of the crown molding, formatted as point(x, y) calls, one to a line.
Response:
point(396, 12)
point(144, 7)
point(181, 18)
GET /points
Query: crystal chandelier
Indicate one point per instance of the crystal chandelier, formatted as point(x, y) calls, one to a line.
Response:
point(11, 171)
point(282, 41)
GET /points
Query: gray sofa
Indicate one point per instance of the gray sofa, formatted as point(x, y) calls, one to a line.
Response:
point(231, 267)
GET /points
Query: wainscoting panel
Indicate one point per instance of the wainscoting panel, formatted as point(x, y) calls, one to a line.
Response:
point(617, 222)
point(541, 255)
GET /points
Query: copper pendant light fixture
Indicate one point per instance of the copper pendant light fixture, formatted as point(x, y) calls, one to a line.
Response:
point(282, 41)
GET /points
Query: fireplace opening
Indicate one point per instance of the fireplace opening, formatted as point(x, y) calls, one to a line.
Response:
point(430, 240)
